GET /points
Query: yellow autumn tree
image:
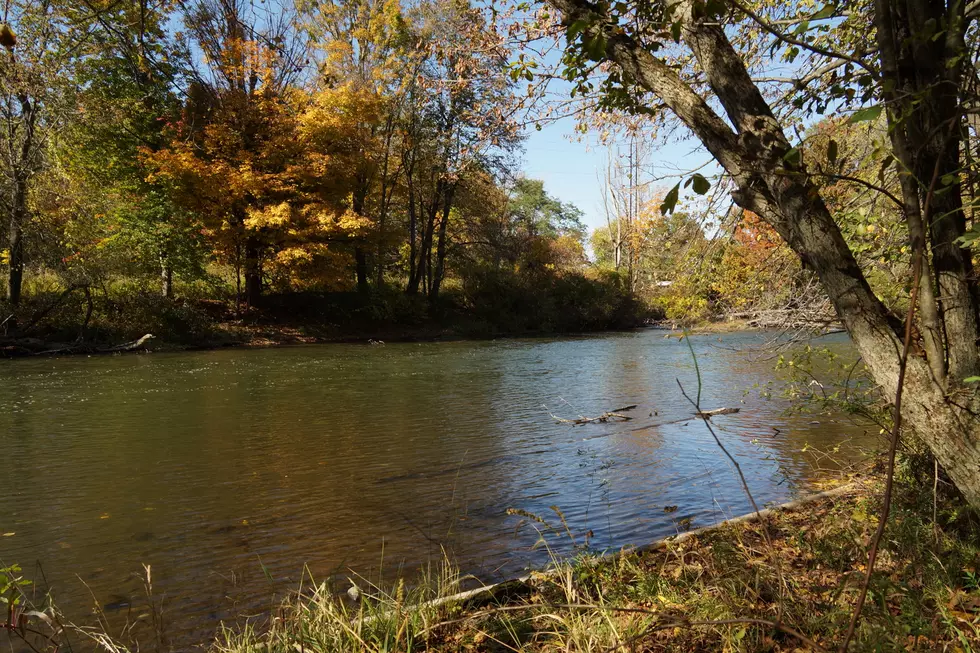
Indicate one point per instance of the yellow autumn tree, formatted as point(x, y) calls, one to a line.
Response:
point(271, 169)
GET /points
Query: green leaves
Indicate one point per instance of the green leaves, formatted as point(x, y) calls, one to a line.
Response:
point(793, 157)
point(701, 185)
point(826, 12)
point(865, 114)
point(969, 237)
point(697, 182)
point(595, 47)
point(576, 28)
point(670, 200)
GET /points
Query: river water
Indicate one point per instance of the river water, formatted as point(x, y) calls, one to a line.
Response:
point(230, 472)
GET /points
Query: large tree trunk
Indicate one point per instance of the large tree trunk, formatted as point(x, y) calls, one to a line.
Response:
point(361, 269)
point(253, 271)
point(922, 92)
point(440, 267)
point(787, 198)
point(15, 271)
point(423, 265)
point(360, 256)
point(166, 278)
point(23, 170)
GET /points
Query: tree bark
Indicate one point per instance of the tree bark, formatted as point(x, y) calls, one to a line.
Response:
point(166, 278)
point(440, 267)
point(15, 270)
point(23, 170)
point(253, 271)
point(412, 237)
point(787, 198)
point(361, 265)
point(360, 257)
point(423, 266)
point(923, 77)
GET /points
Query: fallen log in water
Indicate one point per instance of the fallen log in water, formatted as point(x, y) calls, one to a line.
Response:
point(616, 414)
point(29, 347)
point(708, 414)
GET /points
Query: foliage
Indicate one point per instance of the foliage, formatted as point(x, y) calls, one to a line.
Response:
point(219, 147)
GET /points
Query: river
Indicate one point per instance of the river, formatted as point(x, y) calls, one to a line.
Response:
point(230, 472)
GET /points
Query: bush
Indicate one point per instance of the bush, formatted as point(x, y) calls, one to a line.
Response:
point(544, 301)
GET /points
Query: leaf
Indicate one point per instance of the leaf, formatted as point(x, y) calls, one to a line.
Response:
point(793, 157)
point(971, 379)
point(595, 47)
point(865, 114)
point(832, 149)
point(576, 28)
point(825, 12)
point(701, 185)
point(7, 37)
point(675, 32)
point(670, 200)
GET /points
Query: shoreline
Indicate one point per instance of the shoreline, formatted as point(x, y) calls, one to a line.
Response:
point(720, 587)
point(264, 337)
point(775, 580)
point(261, 336)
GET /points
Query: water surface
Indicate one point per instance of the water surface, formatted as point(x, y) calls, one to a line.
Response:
point(229, 472)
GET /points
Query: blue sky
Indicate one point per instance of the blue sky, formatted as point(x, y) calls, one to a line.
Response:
point(572, 169)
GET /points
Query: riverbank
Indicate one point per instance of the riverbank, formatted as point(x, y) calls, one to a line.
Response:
point(785, 583)
point(303, 318)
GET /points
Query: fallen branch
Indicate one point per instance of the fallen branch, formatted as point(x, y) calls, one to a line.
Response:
point(87, 349)
point(616, 414)
point(708, 414)
point(136, 344)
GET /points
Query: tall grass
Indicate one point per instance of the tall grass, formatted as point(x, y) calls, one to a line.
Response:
point(380, 620)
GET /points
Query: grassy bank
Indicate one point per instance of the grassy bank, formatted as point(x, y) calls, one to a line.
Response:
point(718, 590)
point(85, 321)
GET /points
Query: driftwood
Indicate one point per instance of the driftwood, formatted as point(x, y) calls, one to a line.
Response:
point(23, 348)
point(708, 414)
point(616, 414)
point(137, 344)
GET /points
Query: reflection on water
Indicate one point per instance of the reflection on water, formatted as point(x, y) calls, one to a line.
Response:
point(228, 471)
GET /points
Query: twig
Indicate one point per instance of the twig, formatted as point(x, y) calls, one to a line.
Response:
point(707, 423)
point(893, 447)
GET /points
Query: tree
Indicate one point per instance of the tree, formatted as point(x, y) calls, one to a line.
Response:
point(459, 121)
point(232, 149)
point(127, 96)
point(916, 79)
point(541, 229)
point(37, 56)
point(367, 44)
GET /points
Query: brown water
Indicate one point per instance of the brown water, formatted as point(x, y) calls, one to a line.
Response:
point(229, 471)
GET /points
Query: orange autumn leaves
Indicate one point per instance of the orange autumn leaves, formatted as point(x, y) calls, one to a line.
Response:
point(272, 169)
